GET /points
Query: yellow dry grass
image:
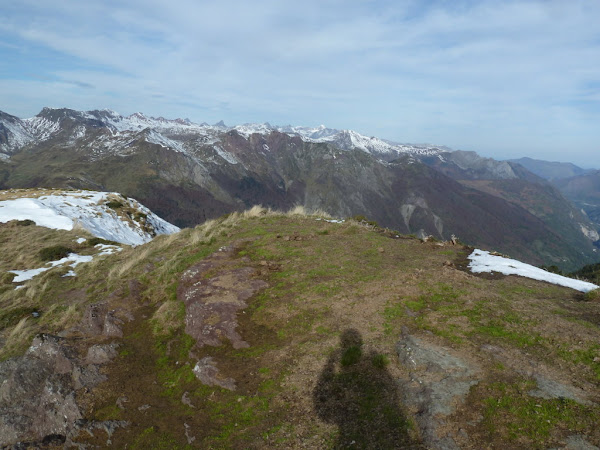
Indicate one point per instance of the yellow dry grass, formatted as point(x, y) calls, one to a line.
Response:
point(19, 337)
point(167, 317)
point(125, 266)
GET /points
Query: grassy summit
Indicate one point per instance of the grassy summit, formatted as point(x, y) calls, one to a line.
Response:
point(284, 330)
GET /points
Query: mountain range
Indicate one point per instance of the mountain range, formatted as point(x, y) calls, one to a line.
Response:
point(188, 173)
point(551, 170)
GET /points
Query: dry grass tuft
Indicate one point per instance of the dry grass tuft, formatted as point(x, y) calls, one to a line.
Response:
point(63, 318)
point(167, 317)
point(125, 266)
point(21, 244)
point(298, 210)
point(19, 338)
point(256, 211)
point(203, 233)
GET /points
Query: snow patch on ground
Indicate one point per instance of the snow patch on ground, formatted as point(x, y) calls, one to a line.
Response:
point(65, 210)
point(34, 209)
point(108, 249)
point(71, 260)
point(332, 220)
point(482, 261)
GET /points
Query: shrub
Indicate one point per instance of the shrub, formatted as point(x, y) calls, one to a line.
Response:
point(114, 204)
point(362, 219)
point(380, 361)
point(552, 269)
point(55, 252)
point(96, 240)
point(25, 223)
point(593, 296)
point(12, 317)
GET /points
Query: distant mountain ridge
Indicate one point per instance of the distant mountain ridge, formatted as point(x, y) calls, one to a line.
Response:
point(188, 173)
point(550, 170)
point(18, 132)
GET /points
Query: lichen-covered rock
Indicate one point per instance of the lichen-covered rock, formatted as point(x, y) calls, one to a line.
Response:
point(207, 372)
point(38, 391)
point(437, 381)
point(212, 304)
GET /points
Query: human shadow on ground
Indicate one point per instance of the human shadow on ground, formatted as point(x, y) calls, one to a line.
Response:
point(356, 392)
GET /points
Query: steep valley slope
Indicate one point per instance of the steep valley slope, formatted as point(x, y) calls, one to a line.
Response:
point(584, 191)
point(271, 330)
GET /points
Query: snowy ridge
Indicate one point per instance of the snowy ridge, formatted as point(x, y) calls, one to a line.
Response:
point(18, 136)
point(22, 132)
point(344, 139)
point(139, 122)
point(42, 128)
point(482, 261)
point(171, 133)
point(88, 209)
point(249, 129)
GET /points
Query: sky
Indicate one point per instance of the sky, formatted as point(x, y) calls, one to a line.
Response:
point(504, 78)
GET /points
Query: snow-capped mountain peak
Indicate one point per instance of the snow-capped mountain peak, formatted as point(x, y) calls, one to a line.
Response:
point(174, 133)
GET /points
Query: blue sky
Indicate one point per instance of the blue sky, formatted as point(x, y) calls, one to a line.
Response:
point(503, 78)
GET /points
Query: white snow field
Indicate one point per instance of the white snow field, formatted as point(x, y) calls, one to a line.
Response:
point(65, 210)
point(482, 261)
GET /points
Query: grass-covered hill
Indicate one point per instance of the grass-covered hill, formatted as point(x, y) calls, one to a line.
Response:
point(268, 330)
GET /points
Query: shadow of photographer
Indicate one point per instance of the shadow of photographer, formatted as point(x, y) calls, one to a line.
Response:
point(357, 393)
